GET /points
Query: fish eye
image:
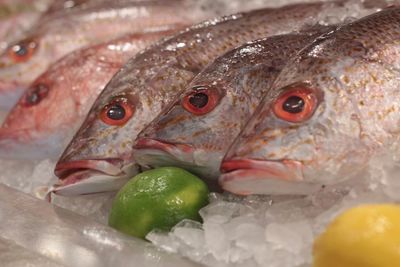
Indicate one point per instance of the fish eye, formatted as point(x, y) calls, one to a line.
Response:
point(117, 113)
point(295, 105)
point(22, 51)
point(36, 94)
point(200, 100)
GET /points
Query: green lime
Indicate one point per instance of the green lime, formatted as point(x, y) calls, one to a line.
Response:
point(157, 199)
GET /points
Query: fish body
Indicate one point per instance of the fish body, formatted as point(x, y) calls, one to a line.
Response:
point(58, 35)
point(196, 131)
point(52, 108)
point(329, 111)
point(145, 85)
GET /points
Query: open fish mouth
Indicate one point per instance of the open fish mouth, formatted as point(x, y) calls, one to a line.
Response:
point(84, 177)
point(251, 176)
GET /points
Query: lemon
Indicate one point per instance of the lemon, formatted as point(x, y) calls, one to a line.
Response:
point(365, 236)
point(157, 199)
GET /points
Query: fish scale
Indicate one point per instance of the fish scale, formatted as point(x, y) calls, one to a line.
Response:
point(243, 75)
point(63, 32)
point(42, 128)
point(151, 79)
point(352, 72)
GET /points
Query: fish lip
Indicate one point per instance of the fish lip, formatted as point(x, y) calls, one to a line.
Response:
point(84, 177)
point(280, 169)
point(74, 171)
point(254, 176)
point(174, 150)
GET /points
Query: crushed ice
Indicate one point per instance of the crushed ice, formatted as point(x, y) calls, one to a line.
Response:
point(278, 231)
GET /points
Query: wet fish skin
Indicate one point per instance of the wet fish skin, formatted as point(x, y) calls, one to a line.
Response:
point(56, 36)
point(49, 112)
point(354, 75)
point(152, 78)
point(240, 77)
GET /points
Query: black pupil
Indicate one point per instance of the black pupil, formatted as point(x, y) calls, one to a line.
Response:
point(20, 50)
point(37, 94)
point(199, 100)
point(116, 112)
point(293, 104)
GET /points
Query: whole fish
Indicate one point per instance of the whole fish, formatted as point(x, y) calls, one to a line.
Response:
point(56, 36)
point(196, 130)
point(100, 157)
point(50, 111)
point(328, 113)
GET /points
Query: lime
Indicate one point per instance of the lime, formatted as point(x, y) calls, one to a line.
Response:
point(366, 236)
point(157, 199)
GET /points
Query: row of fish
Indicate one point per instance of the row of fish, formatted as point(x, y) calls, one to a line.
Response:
point(280, 100)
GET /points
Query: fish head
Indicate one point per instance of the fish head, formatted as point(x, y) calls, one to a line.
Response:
point(197, 128)
point(184, 133)
point(24, 60)
point(50, 110)
point(99, 157)
point(327, 113)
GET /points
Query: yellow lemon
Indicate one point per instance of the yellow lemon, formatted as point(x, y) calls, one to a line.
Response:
point(365, 236)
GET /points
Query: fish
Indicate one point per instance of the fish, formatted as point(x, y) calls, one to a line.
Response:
point(197, 129)
point(54, 37)
point(53, 107)
point(99, 157)
point(327, 114)
point(18, 16)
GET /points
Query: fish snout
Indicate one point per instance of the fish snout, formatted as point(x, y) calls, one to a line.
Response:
point(82, 177)
point(156, 153)
point(150, 152)
point(245, 176)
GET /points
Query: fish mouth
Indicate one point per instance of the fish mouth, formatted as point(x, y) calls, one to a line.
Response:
point(252, 176)
point(155, 153)
point(173, 149)
point(83, 177)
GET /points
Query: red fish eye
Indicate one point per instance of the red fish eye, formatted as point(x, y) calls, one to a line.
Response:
point(36, 94)
point(295, 105)
point(201, 100)
point(117, 113)
point(22, 51)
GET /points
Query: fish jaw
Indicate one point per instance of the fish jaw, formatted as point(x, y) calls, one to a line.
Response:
point(154, 153)
point(250, 176)
point(84, 177)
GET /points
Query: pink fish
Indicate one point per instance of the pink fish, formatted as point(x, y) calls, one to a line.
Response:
point(333, 108)
point(56, 36)
point(100, 157)
point(48, 113)
point(197, 130)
